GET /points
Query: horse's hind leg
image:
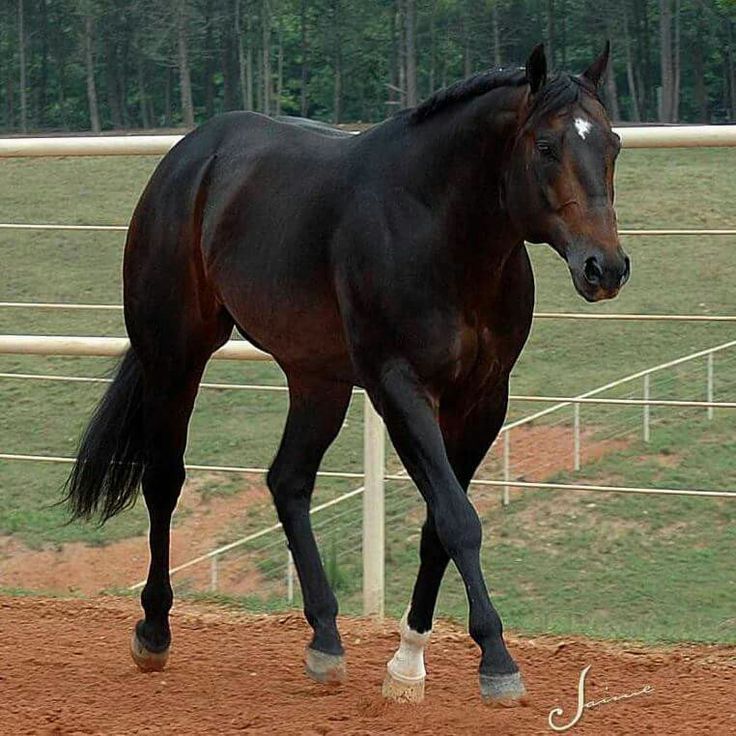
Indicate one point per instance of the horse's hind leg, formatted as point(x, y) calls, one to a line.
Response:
point(173, 363)
point(316, 413)
point(168, 403)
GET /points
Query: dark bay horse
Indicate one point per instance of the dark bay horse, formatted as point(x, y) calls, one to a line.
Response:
point(393, 260)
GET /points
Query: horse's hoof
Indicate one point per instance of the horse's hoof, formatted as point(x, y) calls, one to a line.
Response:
point(146, 660)
point(402, 689)
point(323, 667)
point(506, 691)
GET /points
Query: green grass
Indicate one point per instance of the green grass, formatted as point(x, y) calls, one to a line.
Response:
point(650, 568)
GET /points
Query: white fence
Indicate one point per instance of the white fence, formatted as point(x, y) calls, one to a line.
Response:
point(374, 472)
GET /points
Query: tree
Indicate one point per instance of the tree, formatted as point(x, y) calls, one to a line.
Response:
point(88, 41)
point(181, 14)
point(81, 64)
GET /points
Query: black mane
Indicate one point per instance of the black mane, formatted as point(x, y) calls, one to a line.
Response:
point(467, 89)
point(559, 91)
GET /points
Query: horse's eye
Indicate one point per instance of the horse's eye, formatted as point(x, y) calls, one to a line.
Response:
point(546, 148)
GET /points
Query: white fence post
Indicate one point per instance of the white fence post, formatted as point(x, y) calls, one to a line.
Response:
point(213, 573)
point(576, 432)
point(505, 498)
point(646, 409)
point(709, 391)
point(374, 458)
point(289, 576)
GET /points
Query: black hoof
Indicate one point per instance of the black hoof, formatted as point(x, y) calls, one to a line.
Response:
point(503, 690)
point(324, 668)
point(148, 656)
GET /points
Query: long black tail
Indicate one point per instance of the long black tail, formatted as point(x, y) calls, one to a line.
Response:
point(110, 459)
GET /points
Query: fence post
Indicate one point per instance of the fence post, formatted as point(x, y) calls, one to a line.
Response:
point(709, 391)
point(213, 573)
point(576, 433)
point(646, 408)
point(374, 458)
point(505, 498)
point(289, 576)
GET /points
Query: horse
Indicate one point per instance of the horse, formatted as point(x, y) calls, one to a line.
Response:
point(393, 260)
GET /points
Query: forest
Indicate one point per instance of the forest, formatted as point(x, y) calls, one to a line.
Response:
point(75, 65)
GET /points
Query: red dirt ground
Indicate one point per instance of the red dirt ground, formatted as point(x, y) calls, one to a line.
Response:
point(65, 669)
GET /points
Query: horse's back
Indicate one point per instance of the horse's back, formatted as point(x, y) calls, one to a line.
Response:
point(258, 201)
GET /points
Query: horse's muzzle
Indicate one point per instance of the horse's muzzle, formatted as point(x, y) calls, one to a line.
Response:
point(599, 275)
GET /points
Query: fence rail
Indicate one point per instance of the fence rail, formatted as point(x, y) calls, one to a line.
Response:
point(615, 316)
point(124, 228)
point(674, 136)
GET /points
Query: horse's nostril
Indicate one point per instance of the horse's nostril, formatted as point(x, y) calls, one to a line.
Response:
point(627, 271)
point(593, 272)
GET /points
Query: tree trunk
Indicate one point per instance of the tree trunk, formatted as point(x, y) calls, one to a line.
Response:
point(731, 69)
point(467, 61)
point(676, 67)
point(304, 44)
point(646, 65)
point(240, 51)
point(228, 63)
point(280, 70)
point(563, 33)
point(44, 85)
point(432, 47)
point(22, 64)
point(699, 90)
point(337, 86)
point(401, 53)
point(58, 60)
point(551, 42)
point(113, 99)
point(142, 96)
point(266, 56)
point(94, 114)
point(185, 82)
point(122, 77)
point(496, 34)
point(411, 54)
point(245, 58)
point(393, 62)
point(633, 95)
point(249, 102)
point(665, 61)
point(208, 65)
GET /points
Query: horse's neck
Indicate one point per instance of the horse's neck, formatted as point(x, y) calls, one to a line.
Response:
point(463, 152)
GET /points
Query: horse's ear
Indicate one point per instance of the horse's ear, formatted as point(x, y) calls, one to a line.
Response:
point(536, 68)
point(594, 73)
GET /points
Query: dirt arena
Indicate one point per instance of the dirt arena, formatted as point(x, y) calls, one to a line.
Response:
point(65, 669)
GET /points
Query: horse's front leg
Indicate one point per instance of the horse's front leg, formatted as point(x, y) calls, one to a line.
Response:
point(468, 434)
point(411, 422)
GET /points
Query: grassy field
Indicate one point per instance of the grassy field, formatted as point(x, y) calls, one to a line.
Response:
point(639, 567)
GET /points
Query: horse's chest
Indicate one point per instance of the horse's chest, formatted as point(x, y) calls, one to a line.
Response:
point(487, 352)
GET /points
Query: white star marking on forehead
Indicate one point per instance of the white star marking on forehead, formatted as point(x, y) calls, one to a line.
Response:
point(583, 127)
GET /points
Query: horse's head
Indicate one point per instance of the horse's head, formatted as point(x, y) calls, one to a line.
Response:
point(559, 187)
